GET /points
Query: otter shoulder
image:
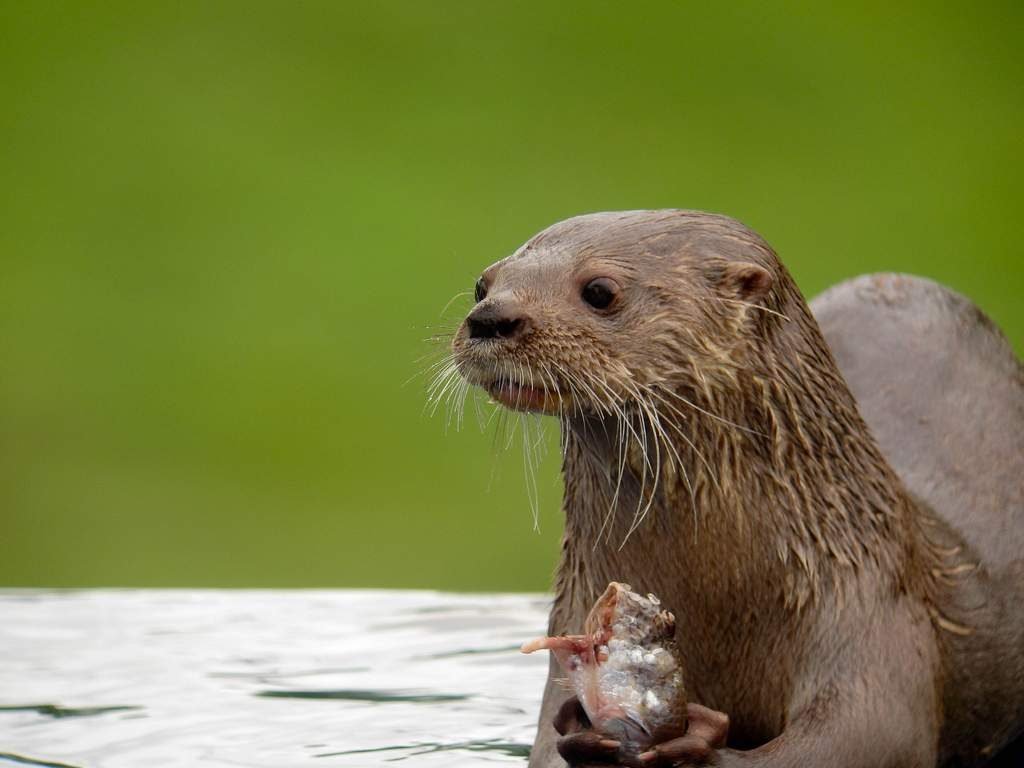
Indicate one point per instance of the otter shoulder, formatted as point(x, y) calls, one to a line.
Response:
point(943, 392)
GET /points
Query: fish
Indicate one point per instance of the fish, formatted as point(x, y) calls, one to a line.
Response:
point(625, 669)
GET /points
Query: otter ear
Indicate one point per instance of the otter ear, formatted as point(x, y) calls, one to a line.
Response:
point(745, 280)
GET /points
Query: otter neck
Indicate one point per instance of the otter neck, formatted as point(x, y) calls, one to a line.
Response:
point(773, 491)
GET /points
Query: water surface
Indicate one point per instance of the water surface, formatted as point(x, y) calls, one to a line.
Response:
point(120, 678)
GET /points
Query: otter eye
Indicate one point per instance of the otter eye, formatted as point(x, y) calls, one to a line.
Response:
point(481, 290)
point(600, 293)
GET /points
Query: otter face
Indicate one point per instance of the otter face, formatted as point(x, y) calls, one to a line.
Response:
point(590, 314)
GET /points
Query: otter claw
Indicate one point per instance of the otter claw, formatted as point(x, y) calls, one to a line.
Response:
point(588, 747)
point(706, 731)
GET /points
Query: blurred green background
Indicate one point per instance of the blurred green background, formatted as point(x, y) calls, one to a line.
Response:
point(226, 230)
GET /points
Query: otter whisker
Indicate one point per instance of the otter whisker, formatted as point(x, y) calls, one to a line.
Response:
point(500, 439)
point(640, 436)
point(443, 336)
point(611, 407)
point(437, 355)
point(483, 419)
point(452, 401)
point(662, 435)
point(434, 370)
point(622, 444)
point(442, 394)
point(532, 454)
point(519, 391)
point(460, 409)
point(686, 479)
point(548, 377)
point(679, 431)
point(647, 417)
point(624, 430)
point(641, 508)
point(574, 383)
point(585, 423)
point(769, 310)
point(440, 359)
point(442, 385)
point(430, 370)
point(495, 413)
point(453, 299)
point(443, 332)
point(510, 433)
point(640, 440)
point(442, 379)
point(604, 410)
point(457, 403)
point(595, 399)
point(438, 388)
point(714, 416)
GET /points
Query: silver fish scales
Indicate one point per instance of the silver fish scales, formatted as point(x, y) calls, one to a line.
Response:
point(625, 668)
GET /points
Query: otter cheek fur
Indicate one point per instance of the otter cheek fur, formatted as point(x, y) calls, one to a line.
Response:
point(838, 610)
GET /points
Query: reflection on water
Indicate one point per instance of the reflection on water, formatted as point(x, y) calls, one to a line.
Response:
point(52, 710)
point(423, 698)
point(266, 678)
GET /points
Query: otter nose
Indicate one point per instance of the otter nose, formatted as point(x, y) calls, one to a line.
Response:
point(496, 322)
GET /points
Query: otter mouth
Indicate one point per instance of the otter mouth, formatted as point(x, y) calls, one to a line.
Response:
point(524, 397)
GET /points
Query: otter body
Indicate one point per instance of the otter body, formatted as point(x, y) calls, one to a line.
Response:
point(848, 583)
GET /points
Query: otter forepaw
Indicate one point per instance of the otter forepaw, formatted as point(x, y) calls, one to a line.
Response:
point(582, 746)
point(706, 731)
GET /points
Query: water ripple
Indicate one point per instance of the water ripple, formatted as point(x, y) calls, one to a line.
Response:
point(22, 760)
point(55, 710)
point(512, 749)
point(128, 678)
point(367, 695)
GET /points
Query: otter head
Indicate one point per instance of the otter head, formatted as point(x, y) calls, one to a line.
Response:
point(596, 310)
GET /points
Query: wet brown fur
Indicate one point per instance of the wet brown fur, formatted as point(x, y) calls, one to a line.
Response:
point(714, 455)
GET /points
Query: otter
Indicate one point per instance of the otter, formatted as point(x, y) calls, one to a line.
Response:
point(832, 503)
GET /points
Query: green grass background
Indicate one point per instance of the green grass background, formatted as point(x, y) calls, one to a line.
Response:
point(227, 228)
